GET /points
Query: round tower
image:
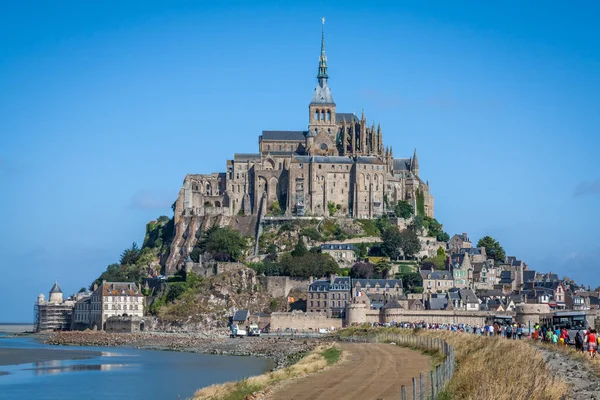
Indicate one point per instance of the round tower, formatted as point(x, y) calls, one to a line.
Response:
point(56, 294)
point(41, 298)
point(531, 313)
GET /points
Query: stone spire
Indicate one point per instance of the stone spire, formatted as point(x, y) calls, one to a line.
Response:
point(322, 92)
point(322, 75)
point(414, 164)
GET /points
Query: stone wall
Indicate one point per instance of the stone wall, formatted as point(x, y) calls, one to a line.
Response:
point(303, 321)
point(125, 324)
point(280, 286)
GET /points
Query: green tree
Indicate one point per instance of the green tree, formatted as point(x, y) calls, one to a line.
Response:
point(362, 270)
point(391, 242)
point(381, 270)
point(300, 250)
point(409, 242)
point(492, 248)
point(131, 255)
point(383, 223)
point(403, 209)
point(410, 281)
point(224, 241)
point(311, 264)
point(331, 208)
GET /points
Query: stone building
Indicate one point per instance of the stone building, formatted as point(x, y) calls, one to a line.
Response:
point(457, 242)
point(54, 314)
point(344, 254)
point(337, 164)
point(437, 281)
point(331, 295)
point(112, 299)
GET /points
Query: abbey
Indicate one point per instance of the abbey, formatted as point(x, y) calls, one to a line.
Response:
point(338, 166)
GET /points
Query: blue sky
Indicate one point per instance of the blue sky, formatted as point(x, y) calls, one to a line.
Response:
point(105, 106)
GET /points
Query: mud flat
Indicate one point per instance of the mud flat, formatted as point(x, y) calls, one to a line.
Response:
point(23, 356)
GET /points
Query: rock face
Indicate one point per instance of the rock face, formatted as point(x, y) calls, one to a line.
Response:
point(189, 228)
point(214, 301)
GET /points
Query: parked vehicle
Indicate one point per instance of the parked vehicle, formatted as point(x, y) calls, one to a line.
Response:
point(323, 330)
point(254, 330)
point(237, 332)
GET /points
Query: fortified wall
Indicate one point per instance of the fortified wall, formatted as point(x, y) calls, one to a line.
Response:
point(281, 286)
point(303, 321)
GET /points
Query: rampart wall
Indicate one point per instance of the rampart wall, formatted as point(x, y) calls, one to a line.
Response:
point(280, 286)
point(303, 321)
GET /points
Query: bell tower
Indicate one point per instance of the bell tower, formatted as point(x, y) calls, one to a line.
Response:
point(322, 107)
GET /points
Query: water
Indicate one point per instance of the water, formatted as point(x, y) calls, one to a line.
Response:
point(118, 373)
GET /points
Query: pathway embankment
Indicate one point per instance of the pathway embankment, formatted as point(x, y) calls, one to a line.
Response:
point(368, 371)
point(284, 351)
point(575, 369)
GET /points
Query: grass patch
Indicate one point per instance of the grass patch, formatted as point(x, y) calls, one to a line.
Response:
point(316, 360)
point(332, 355)
point(369, 227)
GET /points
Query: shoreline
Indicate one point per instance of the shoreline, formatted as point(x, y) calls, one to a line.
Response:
point(284, 351)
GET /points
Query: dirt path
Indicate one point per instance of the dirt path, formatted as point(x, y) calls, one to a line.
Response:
point(369, 371)
point(585, 385)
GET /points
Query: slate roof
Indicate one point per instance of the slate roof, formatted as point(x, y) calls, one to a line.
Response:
point(119, 289)
point(478, 266)
point(457, 259)
point(348, 117)
point(241, 315)
point(56, 288)
point(468, 296)
point(245, 156)
point(528, 276)
point(438, 303)
point(336, 246)
point(506, 277)
point(491, 293)
point(440, 275)
point(322, 95)
point(324, 159)
point(368, 160)
point(462, 237)
point(374, 282)
point(283, 135)
point(393, 303)
point(401, 164)
point(474, 251)
point(344, 281)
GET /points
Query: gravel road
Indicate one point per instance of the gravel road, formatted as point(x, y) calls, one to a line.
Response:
point(369, 371)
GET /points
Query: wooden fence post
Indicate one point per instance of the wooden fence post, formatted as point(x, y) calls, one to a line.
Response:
point(403, 392)
point(421, 386)
point(432, 385)
point(414, 383)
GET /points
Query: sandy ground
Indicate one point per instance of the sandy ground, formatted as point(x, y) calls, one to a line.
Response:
point(23, 356)
point(369, 371)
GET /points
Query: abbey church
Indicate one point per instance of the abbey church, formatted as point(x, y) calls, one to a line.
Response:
point(338, 165)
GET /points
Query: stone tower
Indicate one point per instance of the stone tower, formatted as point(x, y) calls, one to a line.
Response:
point(321, 120)
point(56, 294)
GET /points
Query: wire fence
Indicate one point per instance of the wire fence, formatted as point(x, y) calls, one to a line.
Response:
point(429, 384)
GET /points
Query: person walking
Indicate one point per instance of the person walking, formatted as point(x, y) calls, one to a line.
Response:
point(579, 340)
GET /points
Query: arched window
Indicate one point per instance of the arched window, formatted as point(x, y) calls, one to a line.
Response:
point(316, 115)
point(328, 115)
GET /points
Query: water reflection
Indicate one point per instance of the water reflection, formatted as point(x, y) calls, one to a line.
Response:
point(78, 367)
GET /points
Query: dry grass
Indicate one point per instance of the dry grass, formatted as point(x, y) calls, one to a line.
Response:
point(315, 361)
point(499, 369)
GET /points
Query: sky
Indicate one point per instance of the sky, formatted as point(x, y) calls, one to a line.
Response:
point(106, 106)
